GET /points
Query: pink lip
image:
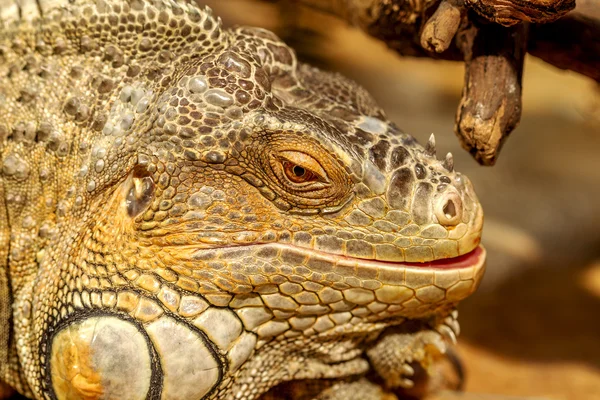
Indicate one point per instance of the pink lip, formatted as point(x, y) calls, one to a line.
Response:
point(464, 261)
point(473, 258)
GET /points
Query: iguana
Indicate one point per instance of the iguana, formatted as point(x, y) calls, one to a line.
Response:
point(189, 212)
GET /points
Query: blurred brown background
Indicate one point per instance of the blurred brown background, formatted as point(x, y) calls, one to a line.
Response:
point(533, 328)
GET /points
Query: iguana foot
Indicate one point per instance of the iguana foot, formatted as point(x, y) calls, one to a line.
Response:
point(421, 361)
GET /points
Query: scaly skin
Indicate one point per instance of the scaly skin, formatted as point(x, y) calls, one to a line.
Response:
point(189, 212)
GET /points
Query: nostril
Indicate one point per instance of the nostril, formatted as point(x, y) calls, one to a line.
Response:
point(450, 210)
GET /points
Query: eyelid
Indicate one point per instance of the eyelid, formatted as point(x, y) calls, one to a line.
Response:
point(305, 161)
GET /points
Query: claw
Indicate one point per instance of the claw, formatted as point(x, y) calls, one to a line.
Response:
point(447, 332)
point(430, 147)
point(407, 370)
point(453, 324)
point(406, 383)
point(454, 314)
point(449, 162)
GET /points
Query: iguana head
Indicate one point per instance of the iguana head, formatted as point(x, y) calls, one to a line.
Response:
point(260, 176)
point(240, 214)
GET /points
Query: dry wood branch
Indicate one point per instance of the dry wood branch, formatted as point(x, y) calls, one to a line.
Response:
point(423, 27)
point(490, 107)
point(511, 12)
point(439, 31)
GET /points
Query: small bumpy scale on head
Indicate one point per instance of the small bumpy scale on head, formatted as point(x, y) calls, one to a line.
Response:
point(201, 191)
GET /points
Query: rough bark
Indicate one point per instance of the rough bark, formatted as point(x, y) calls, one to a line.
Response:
point(490, 107)
point(439, 30)
point(511, 12)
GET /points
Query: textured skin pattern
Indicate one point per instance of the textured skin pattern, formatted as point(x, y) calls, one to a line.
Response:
point(188, 212)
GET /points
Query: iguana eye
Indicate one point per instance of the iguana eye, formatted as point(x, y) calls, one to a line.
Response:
point(300, 176)
point(298, 170)
point(297, 173)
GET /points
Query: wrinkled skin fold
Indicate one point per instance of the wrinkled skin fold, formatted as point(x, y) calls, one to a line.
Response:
point(190, 212)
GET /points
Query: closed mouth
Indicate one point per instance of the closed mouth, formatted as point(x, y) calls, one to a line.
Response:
point(474, 258)
point(469, 259)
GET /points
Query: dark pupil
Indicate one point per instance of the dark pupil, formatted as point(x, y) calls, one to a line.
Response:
point(298, 171)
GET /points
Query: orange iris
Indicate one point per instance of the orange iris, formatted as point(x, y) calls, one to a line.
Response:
point(297, 173)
